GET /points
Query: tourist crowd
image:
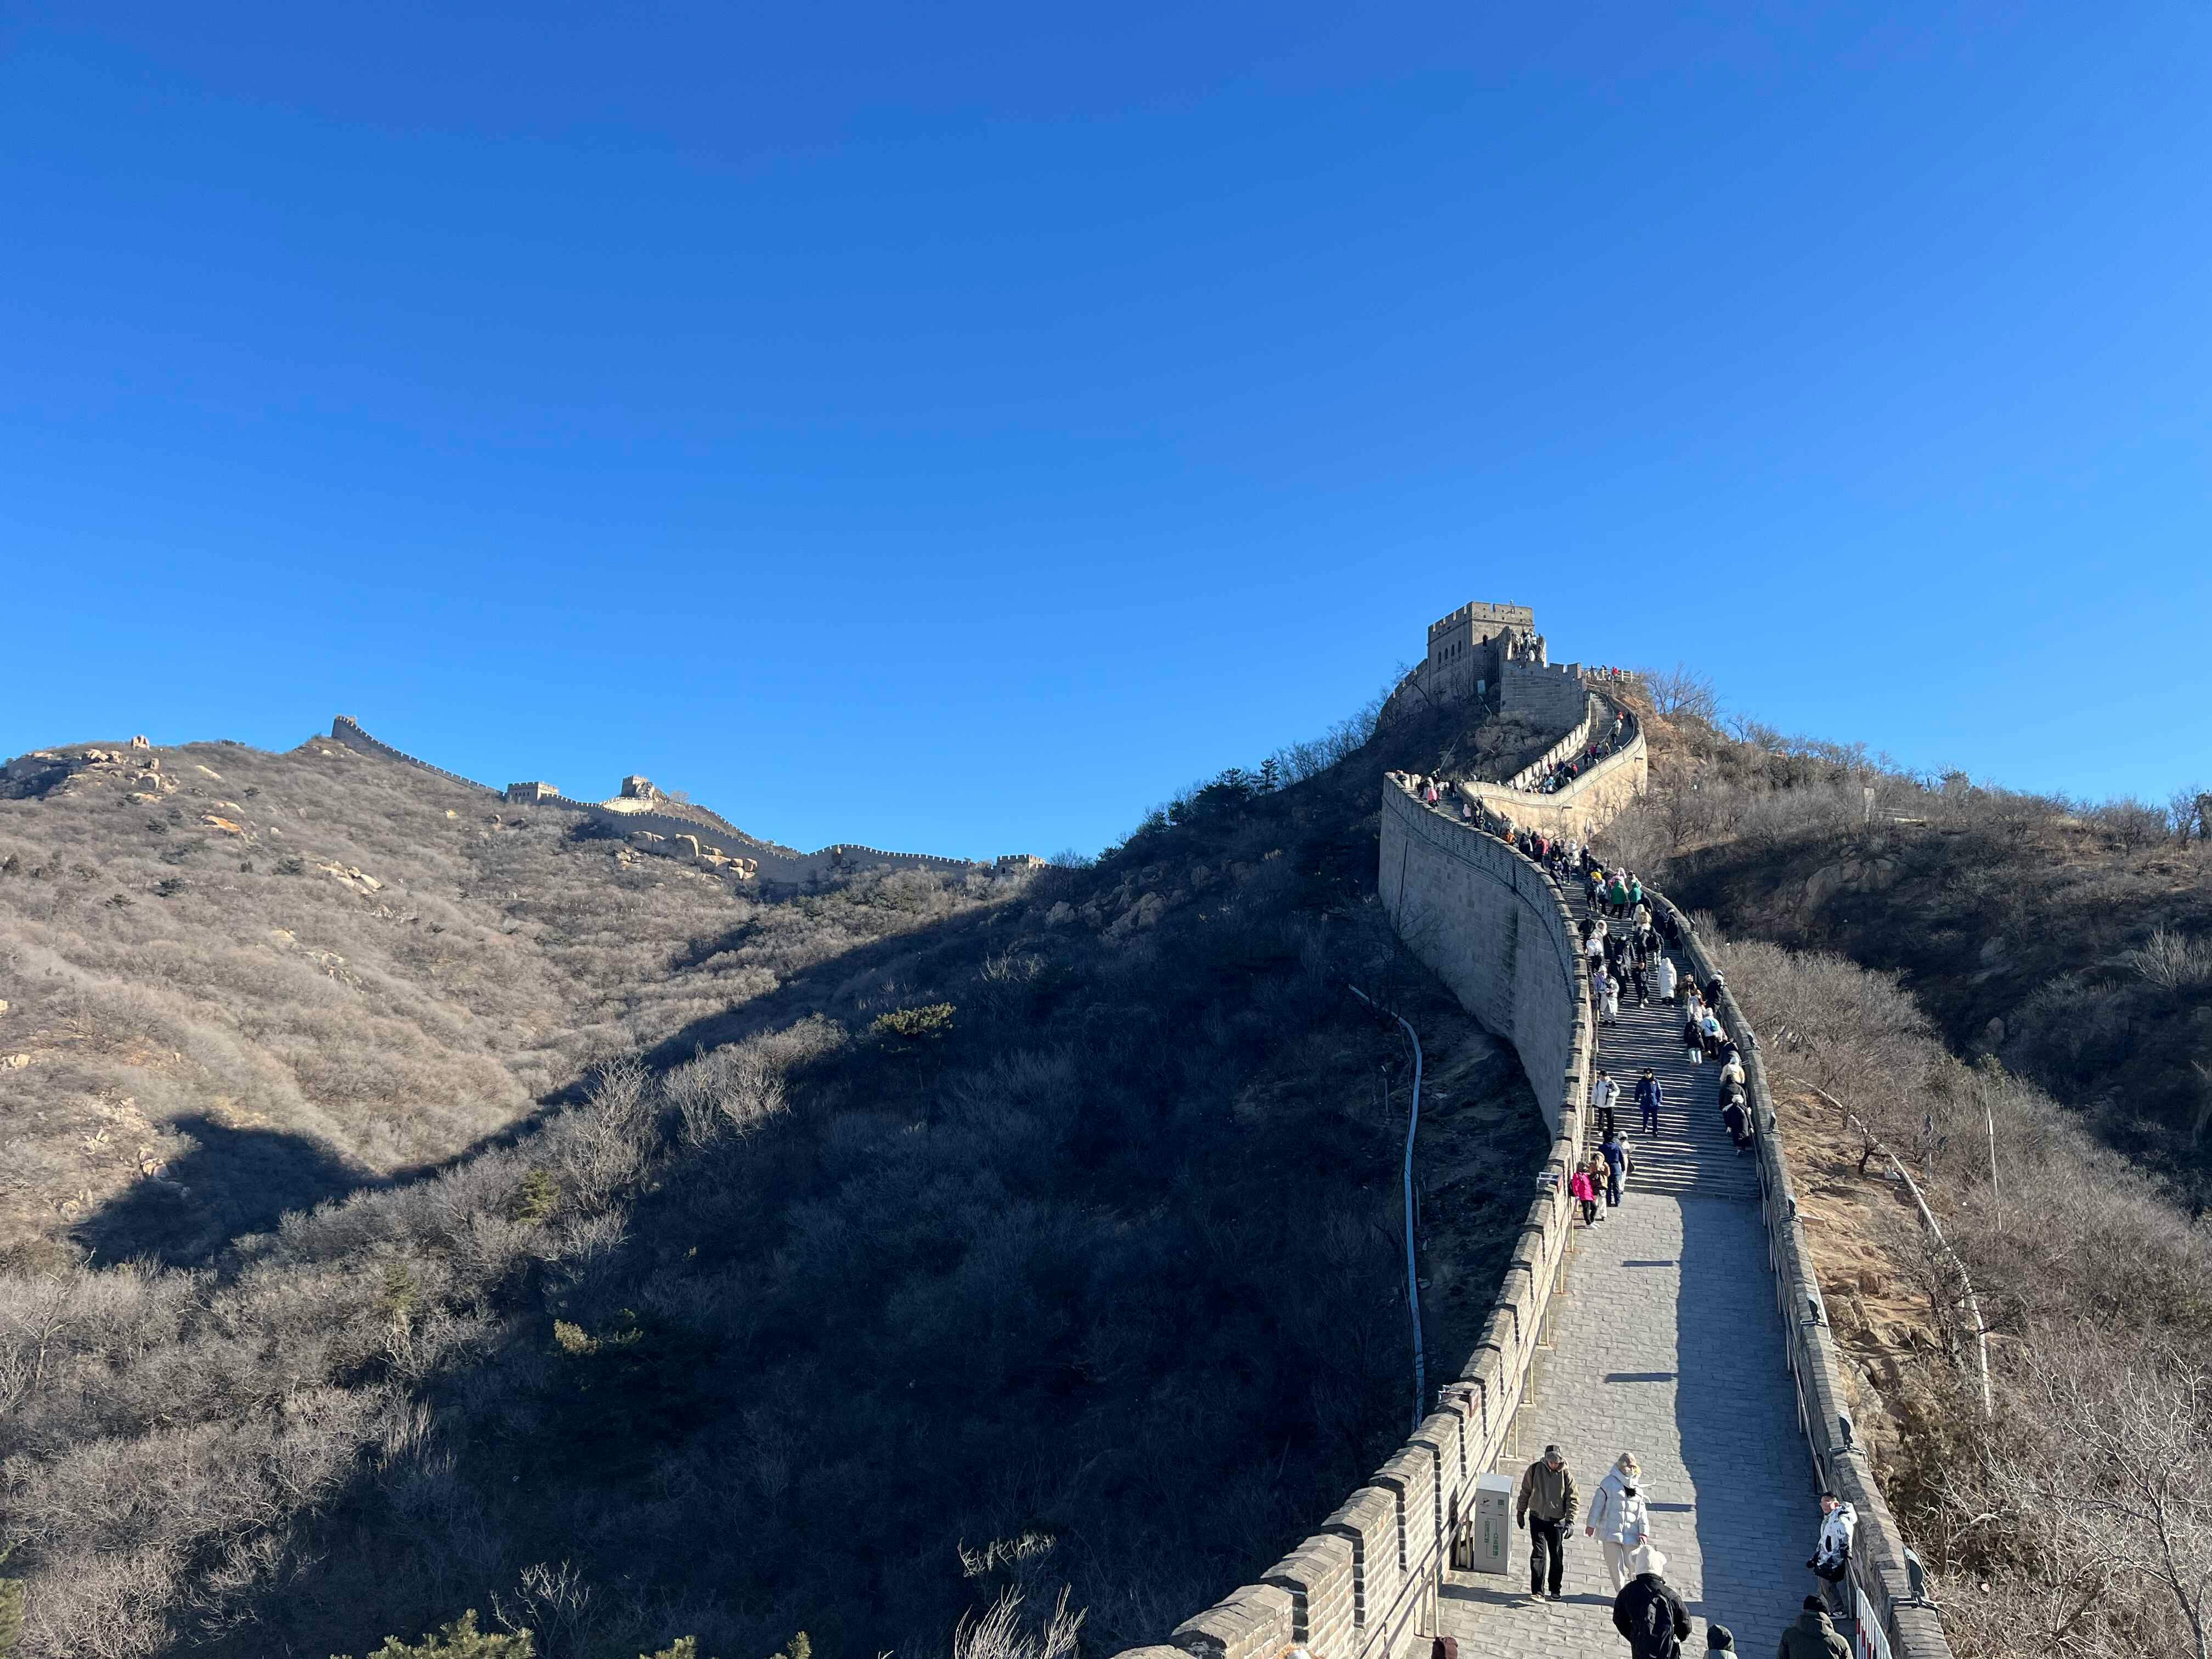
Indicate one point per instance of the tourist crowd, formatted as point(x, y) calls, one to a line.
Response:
point(1647, 1609)
point(1562, 772)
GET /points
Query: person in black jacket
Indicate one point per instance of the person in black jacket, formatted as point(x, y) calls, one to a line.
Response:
point(1649, 1614)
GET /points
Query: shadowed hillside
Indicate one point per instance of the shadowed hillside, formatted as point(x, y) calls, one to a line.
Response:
point(836, 1265)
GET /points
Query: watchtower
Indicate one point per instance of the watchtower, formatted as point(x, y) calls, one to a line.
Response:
point(1472, 646)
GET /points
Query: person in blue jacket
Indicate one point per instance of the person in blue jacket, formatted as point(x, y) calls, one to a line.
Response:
point(1649, 1097)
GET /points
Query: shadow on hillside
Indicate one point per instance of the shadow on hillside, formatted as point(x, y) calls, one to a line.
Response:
point(232, 1182)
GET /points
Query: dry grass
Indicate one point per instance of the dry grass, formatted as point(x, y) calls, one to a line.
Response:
point(652, 1287)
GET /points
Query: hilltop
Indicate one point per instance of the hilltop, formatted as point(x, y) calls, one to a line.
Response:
point(974, 1230)
point(241, 982)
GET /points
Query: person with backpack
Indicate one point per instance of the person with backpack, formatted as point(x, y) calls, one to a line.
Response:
point(1546, 1508)
point(1650, 1096)
point(1648, 1611)
point(1620, 1518)
point(1737, 1124)
point(1615, 1153)
point(1814, 1636)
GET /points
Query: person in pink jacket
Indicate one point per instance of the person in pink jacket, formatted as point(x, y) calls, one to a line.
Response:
point(1585, 1194)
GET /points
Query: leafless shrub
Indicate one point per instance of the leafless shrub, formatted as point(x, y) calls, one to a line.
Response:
point(2131, 825)
point(2172, 961)
point(1000, 1633)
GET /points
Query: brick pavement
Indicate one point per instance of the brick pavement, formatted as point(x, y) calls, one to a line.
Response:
point(1667, 1343)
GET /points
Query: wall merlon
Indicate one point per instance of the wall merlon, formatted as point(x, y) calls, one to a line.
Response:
point(1254, 1620)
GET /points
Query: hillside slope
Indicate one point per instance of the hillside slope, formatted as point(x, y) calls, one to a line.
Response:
point(2073, 942)
point(893, 1246)
point(2056, 1148)
point(237, 982)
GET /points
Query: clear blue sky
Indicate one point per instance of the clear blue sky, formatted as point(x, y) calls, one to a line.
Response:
point(954, 427)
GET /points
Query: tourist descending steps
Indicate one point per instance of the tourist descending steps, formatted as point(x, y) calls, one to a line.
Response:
point(1620, 1519)
point(1546, 1508)
point(1605, 1095)
point(1650, 1096)
point(1615, 1153)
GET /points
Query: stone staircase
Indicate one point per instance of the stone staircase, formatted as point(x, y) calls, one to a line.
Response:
point(1692, 1155)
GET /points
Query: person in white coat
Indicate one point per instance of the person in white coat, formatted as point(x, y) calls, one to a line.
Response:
point(1620, 1519)
point(1666, 972)
point(1831, 1558)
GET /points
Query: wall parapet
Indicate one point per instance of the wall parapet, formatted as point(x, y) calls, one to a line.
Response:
point(1371, 1577)
point(1880, 1579)
point(1576, 740)
point(1590, 800)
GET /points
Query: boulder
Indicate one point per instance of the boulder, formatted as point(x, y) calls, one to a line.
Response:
point(139, 742)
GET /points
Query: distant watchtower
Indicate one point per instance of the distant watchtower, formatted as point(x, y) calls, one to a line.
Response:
point(1472, 646)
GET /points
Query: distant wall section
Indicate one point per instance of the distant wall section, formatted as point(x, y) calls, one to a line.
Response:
point(773, 864)
point(1587, 804)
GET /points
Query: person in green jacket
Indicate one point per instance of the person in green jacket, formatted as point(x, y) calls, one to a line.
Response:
point(1549, 1507)
point(1813, 1636)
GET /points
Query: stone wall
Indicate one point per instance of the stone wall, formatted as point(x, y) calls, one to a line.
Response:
point(1492, 924)
point(774, 864)
point(1551, 693)
point(1584, 806)
point(1573, 743)
point(1882, 1585)
point(1368, 1578)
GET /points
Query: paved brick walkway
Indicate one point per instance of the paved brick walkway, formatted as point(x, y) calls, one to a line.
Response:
point(1667, 1344)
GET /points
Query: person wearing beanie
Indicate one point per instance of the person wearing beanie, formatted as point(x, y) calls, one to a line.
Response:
point(1547, 1508)
point(1648, 1611)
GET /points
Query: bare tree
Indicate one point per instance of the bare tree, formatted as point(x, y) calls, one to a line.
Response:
point(1680, 691)
point(2128, 1477)
point(2189, 811)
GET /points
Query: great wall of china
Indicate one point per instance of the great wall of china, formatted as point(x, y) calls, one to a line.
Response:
point(670, 835)
point(1496, 928)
